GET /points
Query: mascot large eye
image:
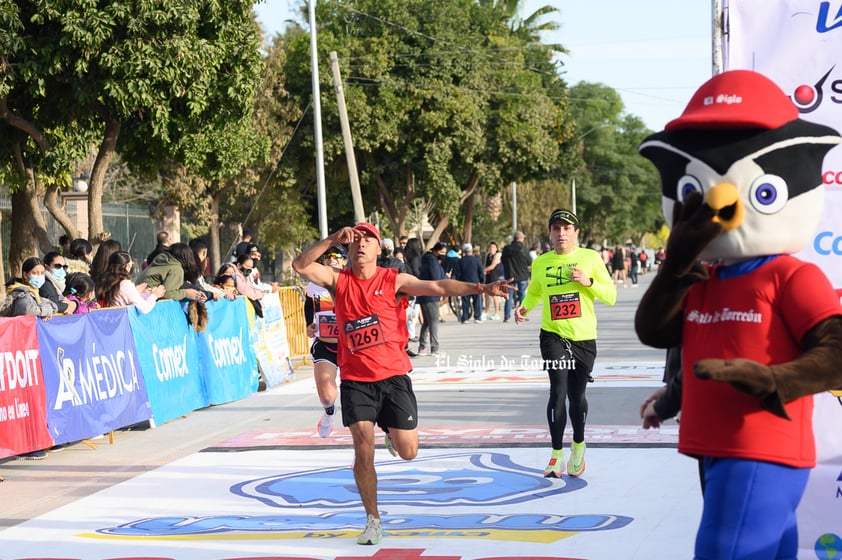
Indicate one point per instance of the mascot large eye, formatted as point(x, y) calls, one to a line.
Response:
point(768, 194)
point(686, 185)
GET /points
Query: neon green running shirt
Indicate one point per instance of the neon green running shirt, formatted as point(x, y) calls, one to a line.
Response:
point(568, 306)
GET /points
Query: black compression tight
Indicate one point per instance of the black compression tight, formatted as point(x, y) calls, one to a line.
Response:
point(567, 386)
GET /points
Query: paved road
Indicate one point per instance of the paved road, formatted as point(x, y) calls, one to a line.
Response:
point(483, 393)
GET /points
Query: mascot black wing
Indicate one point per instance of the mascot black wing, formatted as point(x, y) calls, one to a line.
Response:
point(742, 191)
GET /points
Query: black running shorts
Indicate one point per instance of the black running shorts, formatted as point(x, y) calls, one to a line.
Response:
point(390, 403)
point(323, 352)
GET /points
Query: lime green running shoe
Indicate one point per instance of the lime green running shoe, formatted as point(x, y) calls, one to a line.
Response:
point(576, 464)
point(556, 465)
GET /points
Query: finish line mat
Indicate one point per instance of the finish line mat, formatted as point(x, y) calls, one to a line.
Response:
point(447, 504)
point(461, 436)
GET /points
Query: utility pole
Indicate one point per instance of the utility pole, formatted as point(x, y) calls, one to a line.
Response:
point(317, 124)
point(359, 213)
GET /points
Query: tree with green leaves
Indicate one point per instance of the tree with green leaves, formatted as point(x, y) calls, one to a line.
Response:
point(617, 191)
point(445, 101)
point(164, 82)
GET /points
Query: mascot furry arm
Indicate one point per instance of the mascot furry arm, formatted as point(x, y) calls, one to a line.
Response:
point(816, 370)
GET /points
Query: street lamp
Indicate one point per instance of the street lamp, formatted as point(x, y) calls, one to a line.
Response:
point(573, 183)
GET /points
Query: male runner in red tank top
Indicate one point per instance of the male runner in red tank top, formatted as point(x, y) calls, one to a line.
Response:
point(371, 314)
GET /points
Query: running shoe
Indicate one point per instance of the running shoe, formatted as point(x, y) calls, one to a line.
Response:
point(325, 426)
point(555, 466)
point(39, 455)
point(576, 464)
point(389, 447)
point(373, 532)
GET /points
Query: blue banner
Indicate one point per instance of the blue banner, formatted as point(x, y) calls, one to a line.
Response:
point(169, 360)
point(229, 365)
point(91, 375)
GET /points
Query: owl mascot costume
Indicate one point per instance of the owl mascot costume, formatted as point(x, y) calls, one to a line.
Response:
point(760, 330)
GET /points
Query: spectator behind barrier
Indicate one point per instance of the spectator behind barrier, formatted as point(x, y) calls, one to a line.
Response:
point(79, 258)
point(177, 270)
point(118, 290)
point(53, 288)
point(81, 289)
point(200, 250)
point(100, 261)
point(22, 297)
point(170, 269)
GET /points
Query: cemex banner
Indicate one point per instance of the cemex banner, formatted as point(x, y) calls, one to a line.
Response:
point(22, 395)
point(169, 359)
point(92, 375)
point(229, 366)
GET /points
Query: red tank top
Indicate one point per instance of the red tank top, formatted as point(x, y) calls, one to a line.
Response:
point(372, 327)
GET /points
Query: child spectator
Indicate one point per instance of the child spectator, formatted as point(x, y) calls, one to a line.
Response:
point(226, 283)
point(81, 290)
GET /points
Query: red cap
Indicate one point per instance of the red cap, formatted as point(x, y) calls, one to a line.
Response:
point(368, 229)
point(737, 99)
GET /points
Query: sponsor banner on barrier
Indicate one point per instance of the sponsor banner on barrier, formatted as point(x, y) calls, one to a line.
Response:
point(22, 394)
point(229, 366)
point(819, 514)
point(92, 375)
point(797, 44)
point(269, 341)
point(169, 359)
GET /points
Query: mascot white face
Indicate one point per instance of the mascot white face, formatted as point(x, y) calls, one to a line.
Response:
point(741, 145)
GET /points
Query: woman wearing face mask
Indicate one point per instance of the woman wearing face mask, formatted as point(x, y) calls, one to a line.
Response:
point(23, 292)
point(56, 273)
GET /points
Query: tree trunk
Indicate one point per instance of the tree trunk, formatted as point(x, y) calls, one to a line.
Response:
point(104, 156)
point(2, 267)
point(437, 230)
point(468, 225)
point(58, 212)
point(216, 257)
point(467, 200)
point(397, 213)
point(24, 239)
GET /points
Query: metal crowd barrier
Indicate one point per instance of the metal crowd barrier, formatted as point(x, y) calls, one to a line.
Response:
point(292, 305)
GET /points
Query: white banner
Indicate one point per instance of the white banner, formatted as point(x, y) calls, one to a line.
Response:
point(798, 44)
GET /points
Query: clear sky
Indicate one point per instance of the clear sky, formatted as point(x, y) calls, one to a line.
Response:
point(655, 53)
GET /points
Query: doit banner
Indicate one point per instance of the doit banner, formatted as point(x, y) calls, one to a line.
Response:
point(93, 380)
point(22, 395)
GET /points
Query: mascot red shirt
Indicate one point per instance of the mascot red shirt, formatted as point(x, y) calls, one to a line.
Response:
point(760, 330)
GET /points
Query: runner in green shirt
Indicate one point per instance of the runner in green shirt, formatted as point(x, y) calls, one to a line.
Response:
point(566, 281)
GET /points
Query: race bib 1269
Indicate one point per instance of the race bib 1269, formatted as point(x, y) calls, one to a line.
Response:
point(364, 332)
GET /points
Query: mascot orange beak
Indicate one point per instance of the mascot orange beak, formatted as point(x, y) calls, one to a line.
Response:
point(728, 210)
